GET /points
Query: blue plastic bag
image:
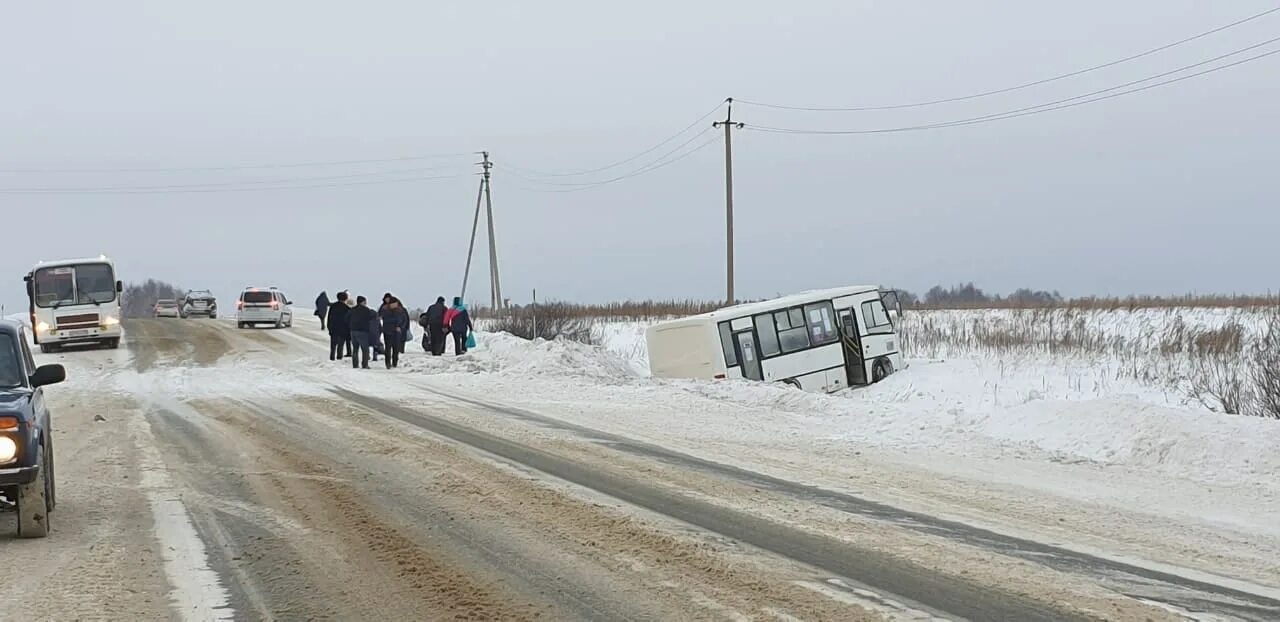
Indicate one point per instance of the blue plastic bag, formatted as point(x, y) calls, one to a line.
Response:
point(471, 340)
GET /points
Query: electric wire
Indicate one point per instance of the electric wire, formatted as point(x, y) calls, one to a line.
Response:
point(259, 182)
point(660, 164)
point(1038, 109)
point(178, 190)
point(238, 167)
point(633, 158)
point(1011, 88)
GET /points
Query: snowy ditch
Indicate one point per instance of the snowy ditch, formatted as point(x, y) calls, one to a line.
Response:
point(1099, 387)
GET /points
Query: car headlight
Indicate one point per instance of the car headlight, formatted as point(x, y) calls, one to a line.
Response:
point(8, 450)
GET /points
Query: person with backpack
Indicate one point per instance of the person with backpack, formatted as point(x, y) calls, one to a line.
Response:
point(435, 326)
point(360, 318)
point(339, 328)
point(395, 324)
point(459, 322)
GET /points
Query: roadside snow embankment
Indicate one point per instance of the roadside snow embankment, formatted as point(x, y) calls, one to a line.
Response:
point(1063, 409)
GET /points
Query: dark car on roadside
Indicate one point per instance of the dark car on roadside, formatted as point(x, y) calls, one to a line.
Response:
point(26, 435)
point(199, 302)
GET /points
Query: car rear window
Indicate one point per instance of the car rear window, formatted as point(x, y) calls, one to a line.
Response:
point(256, 297)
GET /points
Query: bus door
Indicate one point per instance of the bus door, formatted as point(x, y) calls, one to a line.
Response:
point(746, 344)
point(855, 367)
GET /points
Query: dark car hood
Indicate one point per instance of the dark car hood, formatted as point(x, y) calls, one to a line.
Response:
point(15, 401)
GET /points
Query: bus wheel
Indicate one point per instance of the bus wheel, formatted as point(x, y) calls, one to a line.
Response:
point(792, 382)
point(46, 348)
point(881, 370)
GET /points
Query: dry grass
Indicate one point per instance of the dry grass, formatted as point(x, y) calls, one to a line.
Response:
point(1225, 359)
point(1130, 303)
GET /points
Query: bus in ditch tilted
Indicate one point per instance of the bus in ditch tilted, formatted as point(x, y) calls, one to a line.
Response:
point(75, 301)
point(823, 340)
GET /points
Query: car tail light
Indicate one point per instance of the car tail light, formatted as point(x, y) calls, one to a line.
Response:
point(239, 304)
point(275, 304)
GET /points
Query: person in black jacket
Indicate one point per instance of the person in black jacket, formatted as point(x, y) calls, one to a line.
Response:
point(359, 321)
point(395, 324)
point(339, 328)
point(436, 330)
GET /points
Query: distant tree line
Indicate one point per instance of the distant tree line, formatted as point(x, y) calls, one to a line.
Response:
point(139, 299)
point(968, 295)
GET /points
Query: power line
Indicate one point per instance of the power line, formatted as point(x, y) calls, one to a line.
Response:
point(633, 158)
point(595, 183)
point(239, 167)
point(1013, 88)
point(178, 190)
point(294, 180)
point(652, 167)
point(1041, 108)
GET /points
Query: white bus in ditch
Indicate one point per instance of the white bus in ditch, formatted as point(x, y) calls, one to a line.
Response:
point(823, 340)
point(74, 301)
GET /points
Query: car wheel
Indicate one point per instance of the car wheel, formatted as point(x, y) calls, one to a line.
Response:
point(280, 322)
point(239, 324)
point(33, 504)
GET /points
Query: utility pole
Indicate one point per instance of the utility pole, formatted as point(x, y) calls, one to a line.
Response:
point(728, 126)
point(495, 282)
point(475, 225)
point(483, 197)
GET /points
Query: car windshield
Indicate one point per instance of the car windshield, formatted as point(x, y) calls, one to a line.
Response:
point(256, 297)
point(10, 366)
point(82, 284)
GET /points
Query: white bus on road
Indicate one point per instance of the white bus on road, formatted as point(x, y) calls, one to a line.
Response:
point(74, 301)
point(823, 340)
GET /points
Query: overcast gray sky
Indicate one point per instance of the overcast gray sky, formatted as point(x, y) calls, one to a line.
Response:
point(1171, 190)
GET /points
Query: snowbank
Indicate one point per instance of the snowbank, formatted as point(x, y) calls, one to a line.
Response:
point(1064, 409)
point(500, 353)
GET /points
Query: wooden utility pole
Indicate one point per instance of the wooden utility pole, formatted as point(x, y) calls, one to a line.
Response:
point(475, 225)
point(495, 282)
point(483, 197)
point(728, 126)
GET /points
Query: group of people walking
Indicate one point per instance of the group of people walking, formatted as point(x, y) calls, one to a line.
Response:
point(357, 330)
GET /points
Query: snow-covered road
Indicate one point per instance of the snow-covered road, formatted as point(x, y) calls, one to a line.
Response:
point(207, 473)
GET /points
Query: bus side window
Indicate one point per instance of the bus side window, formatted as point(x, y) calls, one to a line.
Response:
point(767, 336)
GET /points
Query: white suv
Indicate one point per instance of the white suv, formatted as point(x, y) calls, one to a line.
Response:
point(263, 305)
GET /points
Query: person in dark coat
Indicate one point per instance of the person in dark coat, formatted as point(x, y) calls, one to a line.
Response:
point(339, 328)
point(375, 335)
point(395, 324)
point(435, 326)
point(322, 308)
point(359, 319)
point(459, 322)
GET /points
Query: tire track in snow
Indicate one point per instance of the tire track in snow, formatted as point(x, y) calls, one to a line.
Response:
point(196, 591)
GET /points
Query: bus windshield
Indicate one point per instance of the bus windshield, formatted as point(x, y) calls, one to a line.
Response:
point(92, 283)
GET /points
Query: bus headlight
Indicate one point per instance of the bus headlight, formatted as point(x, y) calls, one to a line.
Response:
point(42, 327)
point(110, 321)
point(8, 450)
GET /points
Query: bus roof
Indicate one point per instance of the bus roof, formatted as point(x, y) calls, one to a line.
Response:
point(73, 262)
point(752, 308)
